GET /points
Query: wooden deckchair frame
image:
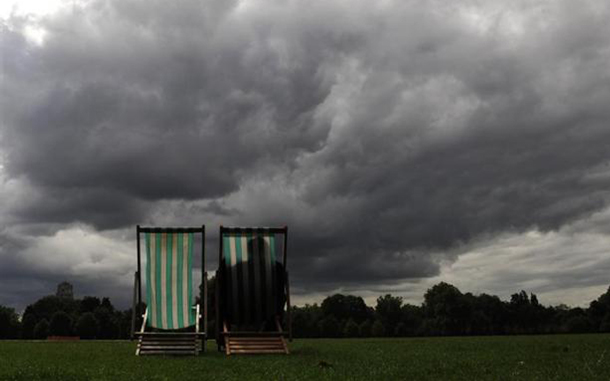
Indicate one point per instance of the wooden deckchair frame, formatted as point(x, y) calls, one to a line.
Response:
point(223, 331)
point(137, 292)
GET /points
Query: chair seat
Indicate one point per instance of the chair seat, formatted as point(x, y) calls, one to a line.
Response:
point(185, 343)
point(256, 345)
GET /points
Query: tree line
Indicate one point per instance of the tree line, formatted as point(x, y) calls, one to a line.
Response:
point(89, 318)
point(445, 311)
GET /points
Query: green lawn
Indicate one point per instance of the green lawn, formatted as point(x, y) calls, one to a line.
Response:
point(558, 357)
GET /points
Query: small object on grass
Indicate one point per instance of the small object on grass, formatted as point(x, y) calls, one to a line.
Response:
point(323, 364)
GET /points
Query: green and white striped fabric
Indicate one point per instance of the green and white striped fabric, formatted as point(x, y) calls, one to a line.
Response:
point(251, 280)
point(169, 291)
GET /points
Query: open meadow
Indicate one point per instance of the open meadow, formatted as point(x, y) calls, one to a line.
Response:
point(552, 357)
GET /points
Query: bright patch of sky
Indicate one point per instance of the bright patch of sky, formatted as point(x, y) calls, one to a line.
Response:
point(31, 7)
point(33, 11)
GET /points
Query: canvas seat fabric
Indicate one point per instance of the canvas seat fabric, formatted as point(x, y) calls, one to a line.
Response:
point(253, 276)
point(169, 271)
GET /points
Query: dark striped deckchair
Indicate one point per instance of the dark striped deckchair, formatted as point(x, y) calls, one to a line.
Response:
point(170, 313)
point(252, 290)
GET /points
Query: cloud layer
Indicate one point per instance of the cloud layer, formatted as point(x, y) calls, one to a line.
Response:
point(386, 135)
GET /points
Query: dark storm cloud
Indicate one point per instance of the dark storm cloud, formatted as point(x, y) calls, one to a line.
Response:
point(147, 107)
point(103, 208)
point(385, 135)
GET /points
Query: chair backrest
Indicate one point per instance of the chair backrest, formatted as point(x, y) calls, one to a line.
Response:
point(253, 261)
point(169, 277)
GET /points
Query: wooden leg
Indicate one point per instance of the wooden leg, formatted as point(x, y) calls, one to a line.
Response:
point(135, 303)
point(216, 305)
point(288, 314)
point(227, 346)
point(205, 309)
point(279, 329)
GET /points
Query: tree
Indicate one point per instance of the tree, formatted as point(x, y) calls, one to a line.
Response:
point(447, 311)
point(47, 306)
point(344, 307)
point(305, 320)
point(534, 300)
point(27, 326)
point(89, 304)
point(400, 330)
point(519, 306)
point(527, 314)
point(61, 324)
point(412, 318)
point(108, 324)
point(605, 323)
point(579, 324)
point(329, 327)
point(599, 309)
point(9, 323)
point(350, 329)
point(389, 311)
point(124, 320)
point(365, 328)
point(490, 313)
point(107, 305)
point(87, 326)
point(378, 330)
point(41, 330)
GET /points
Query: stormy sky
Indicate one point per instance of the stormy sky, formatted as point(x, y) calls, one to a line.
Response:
point(403, 143)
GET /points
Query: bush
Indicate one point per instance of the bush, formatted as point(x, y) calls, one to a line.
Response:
point(41, 330)
point(365, 329)
point(378, 330)
point(60, 324)
point(87, 326)
point(350, 329)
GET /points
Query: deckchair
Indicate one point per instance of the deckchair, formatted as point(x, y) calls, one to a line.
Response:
point(252, 290)
point(170, 323)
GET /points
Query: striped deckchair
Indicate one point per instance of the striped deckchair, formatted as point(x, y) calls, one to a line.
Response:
point(170, 313)
point(252, 290)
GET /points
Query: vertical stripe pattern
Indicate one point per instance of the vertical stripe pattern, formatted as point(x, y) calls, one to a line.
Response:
point(169, 268)
point(249, 257)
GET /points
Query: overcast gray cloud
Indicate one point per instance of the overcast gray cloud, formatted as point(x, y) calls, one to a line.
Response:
point(389, 136)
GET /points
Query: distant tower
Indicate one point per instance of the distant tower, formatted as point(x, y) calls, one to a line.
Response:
point(64, 290)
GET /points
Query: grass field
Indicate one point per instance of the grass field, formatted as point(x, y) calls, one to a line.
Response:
point(558, 357)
